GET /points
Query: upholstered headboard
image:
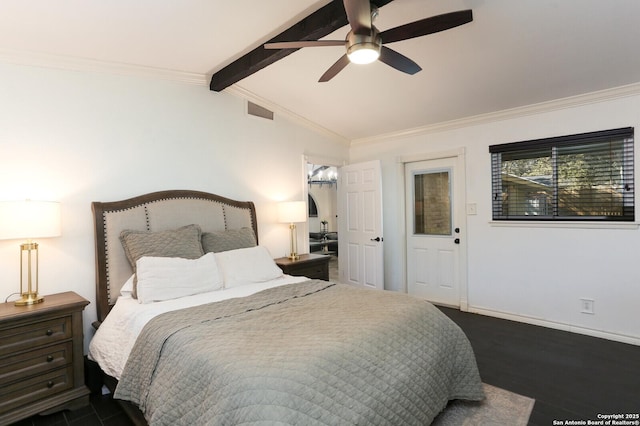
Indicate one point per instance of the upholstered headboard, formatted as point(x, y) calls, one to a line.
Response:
point(156, 211)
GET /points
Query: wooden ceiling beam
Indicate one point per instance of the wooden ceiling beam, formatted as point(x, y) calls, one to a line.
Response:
point(319, 24)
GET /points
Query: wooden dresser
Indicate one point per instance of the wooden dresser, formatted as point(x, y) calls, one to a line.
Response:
point(41, 357)
point(313, 266)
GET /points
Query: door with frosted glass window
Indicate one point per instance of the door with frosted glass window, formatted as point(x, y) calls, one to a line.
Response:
point(433, 230)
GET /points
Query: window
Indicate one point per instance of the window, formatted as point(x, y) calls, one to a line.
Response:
point(432, 203)
point(579, 177)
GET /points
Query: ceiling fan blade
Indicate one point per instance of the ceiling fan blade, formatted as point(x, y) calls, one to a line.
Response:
point(299, 44)
point(398, 61)
point(359, 15)
point(426, 26)
point(335, 69)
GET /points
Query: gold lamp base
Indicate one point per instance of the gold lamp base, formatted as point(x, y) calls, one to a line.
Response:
point(29, 299)
point(294, 243)
point(29, 274)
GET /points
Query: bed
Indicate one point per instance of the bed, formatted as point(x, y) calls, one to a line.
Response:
point(216, 334)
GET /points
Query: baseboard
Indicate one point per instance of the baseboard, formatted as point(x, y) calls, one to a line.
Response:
point(556, 325)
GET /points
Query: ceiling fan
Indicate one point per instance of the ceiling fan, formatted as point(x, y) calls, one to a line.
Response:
point(365, 44)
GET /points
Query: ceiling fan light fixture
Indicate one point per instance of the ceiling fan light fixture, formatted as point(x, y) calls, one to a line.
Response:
point(364, 53)
point(363, 48)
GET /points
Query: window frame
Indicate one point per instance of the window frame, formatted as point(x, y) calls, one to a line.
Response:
point(554, 145)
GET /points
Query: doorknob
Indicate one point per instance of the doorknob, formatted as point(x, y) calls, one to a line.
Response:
point(378, 239)
point(457, 241)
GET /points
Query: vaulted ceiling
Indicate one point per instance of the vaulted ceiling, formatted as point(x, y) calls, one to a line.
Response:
point(514, 53)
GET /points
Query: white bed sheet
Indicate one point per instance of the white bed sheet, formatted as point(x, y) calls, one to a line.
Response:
point(113, 341)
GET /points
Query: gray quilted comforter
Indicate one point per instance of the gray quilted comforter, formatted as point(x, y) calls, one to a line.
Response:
point(313, 353)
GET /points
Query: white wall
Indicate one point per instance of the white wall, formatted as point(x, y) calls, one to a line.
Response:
point(535, 275)
point(79, 137)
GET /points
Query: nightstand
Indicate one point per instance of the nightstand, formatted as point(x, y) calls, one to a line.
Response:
point(312, 266)
point(41, 357)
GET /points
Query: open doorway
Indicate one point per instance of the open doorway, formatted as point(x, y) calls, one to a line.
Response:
point(322, 186)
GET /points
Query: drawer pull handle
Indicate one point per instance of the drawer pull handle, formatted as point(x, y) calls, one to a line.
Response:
point(49, 358)
point(49, 332)
point(49, 384)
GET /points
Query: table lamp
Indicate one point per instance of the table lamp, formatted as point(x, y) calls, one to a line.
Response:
point(29, 219)
point(291, 212)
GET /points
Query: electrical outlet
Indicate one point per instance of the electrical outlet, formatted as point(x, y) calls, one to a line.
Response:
point(586, 306)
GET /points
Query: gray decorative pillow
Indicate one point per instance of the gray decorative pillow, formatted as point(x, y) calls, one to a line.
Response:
point(182, 242)
point(231, 239)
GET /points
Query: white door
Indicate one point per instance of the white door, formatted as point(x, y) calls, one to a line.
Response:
point(433, 201)
point(360, 246)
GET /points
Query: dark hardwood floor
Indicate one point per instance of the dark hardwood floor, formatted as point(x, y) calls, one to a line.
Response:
point(571, 376)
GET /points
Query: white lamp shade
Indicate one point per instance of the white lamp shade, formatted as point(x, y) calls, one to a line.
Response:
point(292, 211)
point(28, 219)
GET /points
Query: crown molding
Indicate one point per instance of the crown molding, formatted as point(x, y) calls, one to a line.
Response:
point(44, 60)
point(250, 96)
point(542, 107)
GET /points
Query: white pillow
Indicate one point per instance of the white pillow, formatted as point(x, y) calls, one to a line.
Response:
point(164, 278)
point(247, 265)
point(127, 287)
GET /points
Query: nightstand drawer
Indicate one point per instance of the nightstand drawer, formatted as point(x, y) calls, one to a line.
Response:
point(35, 388)
point(34, 334)
point(312, 266)
point(26, 364)
point(312, 271)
